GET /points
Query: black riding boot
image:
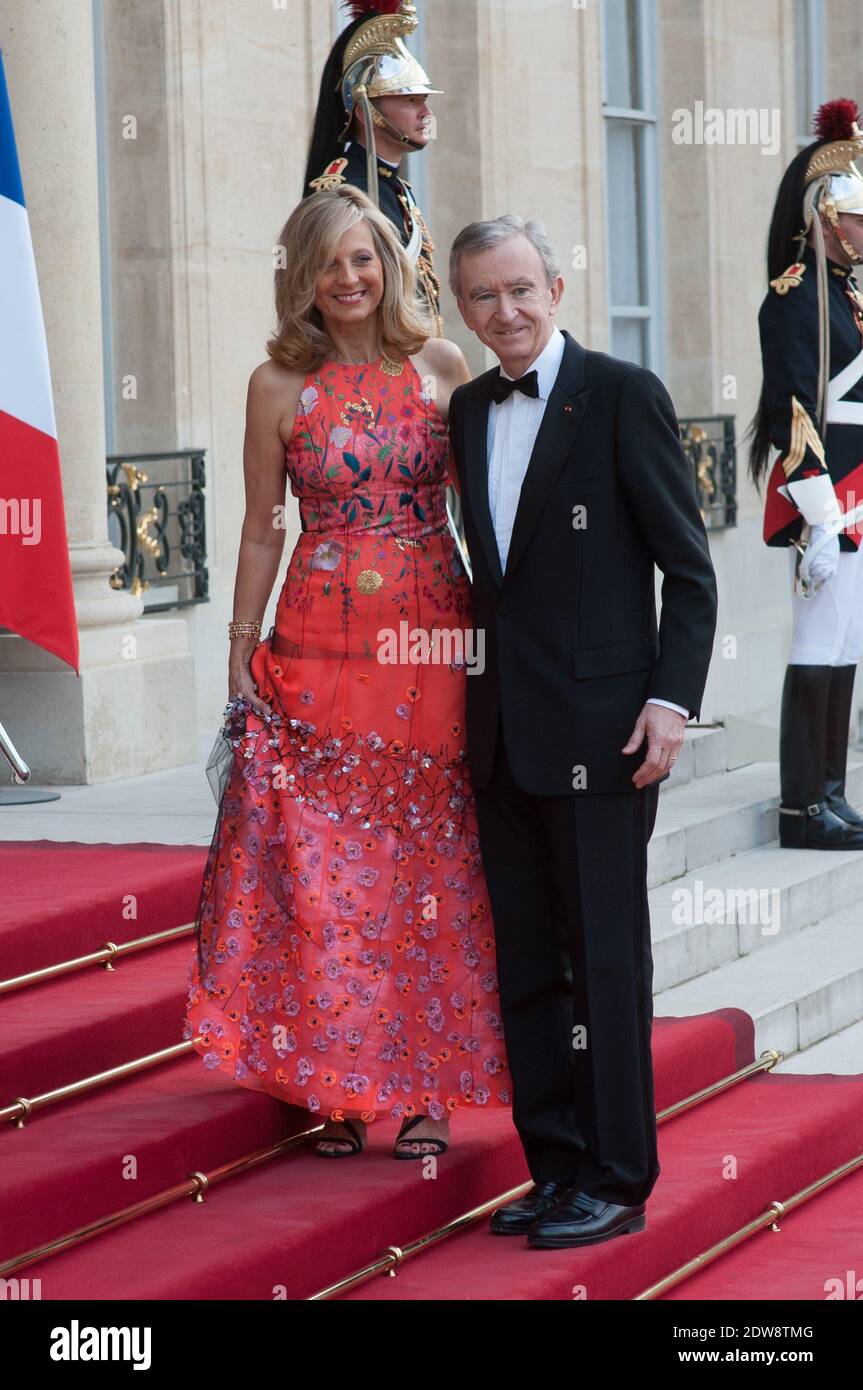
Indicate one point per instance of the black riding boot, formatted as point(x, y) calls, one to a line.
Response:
point(838, 719)
point(805, 819)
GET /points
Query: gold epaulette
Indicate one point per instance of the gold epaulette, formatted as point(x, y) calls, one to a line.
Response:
point(789, 279)
point(332, 176)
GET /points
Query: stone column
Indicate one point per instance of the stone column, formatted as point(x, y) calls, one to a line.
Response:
point(132, 709)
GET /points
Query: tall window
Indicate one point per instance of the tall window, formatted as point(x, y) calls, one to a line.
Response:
point(808, 65)
point(632, 179)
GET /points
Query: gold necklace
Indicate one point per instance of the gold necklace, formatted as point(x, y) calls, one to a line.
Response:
point(390, 365)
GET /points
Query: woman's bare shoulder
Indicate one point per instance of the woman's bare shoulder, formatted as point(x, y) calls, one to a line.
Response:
point(445, 359)
point(274, 394)
point(270, 379)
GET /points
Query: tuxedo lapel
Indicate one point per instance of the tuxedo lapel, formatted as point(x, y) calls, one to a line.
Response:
point(561, 419)
point(476, 470)
point(563, 415)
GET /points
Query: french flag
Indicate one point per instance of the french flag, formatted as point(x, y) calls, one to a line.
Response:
point(36, 597)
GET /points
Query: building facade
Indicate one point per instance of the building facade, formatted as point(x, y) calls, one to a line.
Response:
point(161, 171)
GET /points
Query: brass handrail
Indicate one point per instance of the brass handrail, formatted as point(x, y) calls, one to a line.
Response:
point(769, 1217)
point(394, 1256)
point(23, 1107)
point(195, 1186)
point(105, 955)
point(198, 1183)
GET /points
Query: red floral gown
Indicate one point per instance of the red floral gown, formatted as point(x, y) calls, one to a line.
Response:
point(346, 957)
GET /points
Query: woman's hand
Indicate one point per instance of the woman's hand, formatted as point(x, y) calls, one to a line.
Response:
point(271, 408)
point(240, 676)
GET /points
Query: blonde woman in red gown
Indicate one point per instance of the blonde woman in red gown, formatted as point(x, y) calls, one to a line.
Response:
point(346, 956)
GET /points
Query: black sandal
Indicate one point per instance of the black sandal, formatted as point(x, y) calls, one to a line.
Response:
point(441, 1145)
point(355, 1139)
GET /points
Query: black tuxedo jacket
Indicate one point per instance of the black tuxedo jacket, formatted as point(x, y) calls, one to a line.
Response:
point(572, 649)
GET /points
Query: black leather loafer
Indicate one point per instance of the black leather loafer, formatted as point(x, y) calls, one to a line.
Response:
point(583, 1220)
point(517, 1217)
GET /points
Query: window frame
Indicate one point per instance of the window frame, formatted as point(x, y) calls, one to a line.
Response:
point(645, 117)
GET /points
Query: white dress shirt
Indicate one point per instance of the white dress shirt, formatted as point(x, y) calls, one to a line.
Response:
point(512, 429)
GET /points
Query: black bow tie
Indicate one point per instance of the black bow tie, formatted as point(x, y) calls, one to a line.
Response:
point(502, 387)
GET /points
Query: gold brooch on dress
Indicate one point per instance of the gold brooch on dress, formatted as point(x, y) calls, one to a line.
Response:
point(369, 581)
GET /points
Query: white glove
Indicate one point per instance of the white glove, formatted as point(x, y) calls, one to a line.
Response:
point(825, 562)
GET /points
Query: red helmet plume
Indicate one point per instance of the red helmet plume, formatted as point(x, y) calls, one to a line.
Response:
point(835, 119)
point(359, 8)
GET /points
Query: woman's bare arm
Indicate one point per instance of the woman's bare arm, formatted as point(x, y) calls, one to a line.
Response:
point(445, 364)
point(271, 407)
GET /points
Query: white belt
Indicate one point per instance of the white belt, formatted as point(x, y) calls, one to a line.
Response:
point(841, 412)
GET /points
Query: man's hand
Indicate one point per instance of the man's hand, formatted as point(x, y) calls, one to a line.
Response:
point(664, 729)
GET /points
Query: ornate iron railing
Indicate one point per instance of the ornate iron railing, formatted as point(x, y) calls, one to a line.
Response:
point(710, 445)
point(156, 517)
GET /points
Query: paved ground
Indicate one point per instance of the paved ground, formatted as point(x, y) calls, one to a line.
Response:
point(175, 807)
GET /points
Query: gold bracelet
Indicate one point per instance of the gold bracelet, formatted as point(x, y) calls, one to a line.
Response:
point(239, 627)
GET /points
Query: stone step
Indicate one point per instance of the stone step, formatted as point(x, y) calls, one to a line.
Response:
point(839, 1055)
point(703, 753)
point(712, 916)
point(719, 815)
point(805, 988)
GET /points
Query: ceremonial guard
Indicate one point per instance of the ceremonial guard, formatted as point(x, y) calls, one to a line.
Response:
point(811, 409)
point(371, 112)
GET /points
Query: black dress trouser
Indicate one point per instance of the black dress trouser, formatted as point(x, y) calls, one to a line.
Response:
point(567, 879)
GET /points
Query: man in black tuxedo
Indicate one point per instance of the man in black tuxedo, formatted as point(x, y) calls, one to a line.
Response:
point(574, 485)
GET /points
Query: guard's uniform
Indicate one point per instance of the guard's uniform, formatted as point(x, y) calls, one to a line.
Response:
point(828, 628)
point(788, 323)
point(398, 202)
point(811, 410)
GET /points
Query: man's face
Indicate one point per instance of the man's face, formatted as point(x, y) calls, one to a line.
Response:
point(852, 228)
point(409, 114)
point(505, 298)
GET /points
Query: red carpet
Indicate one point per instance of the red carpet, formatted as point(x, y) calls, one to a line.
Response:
point(302, 1222)
point(767, 1125)
point(816, 1255)
point(62, 900)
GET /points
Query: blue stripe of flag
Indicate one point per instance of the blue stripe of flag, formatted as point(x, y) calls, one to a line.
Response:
point(10, 172)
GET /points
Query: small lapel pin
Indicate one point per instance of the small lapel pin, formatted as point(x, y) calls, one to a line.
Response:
point(567, 408)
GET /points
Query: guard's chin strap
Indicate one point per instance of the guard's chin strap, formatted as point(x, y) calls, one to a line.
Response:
point(381, 121)
point(830, 212)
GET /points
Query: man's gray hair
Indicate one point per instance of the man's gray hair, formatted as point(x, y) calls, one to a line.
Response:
point(482, 236)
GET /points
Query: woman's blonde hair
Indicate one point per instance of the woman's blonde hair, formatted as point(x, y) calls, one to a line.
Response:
point(309, 238)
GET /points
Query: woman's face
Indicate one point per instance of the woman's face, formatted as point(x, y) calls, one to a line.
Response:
point(351, 287)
